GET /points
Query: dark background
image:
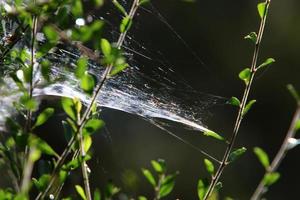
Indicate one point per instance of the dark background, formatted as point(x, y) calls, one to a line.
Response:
point(215, 31)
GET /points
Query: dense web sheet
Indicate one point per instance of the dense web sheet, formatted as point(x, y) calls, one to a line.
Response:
point(149, 88)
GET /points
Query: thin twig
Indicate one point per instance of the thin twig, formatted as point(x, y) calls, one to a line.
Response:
point(239, 118)
point(279, 156)
point(86, 114)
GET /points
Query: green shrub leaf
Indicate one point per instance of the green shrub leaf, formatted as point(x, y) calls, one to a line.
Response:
point(120, 7)
point(251, 36)
point(167, 185)
point(105, 47)
point(236, 154)
point(68, 107)
point(261, 8)
point(248, 107)
point(43, 117)
point(159, 166)
point(149, 177)
point(51, 34)
point(80, 191)
point(234, 101)
point(201, 189)
point(81, 67)
point(262, 157)
point(267, 62)
point(92, 126)
point(213, 134)
point(87, 83)
point(210, 168)
point(125, 24)
point(271, 178)
point(245, 75)
point(294, 93)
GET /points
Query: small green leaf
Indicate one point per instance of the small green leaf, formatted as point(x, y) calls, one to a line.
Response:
point(68, 107)
point(125, 24)
point(201, 189)
point(142, 198)
point(261, 7)
point(248, 107)
point(213, 134)
point(143, 2)
point(210, 168)
point(97, 194)
point(120, 7)
point(43, 117)
point(167, 185)
point(297, 125)
point(271, 178)
point(87, 83)
point(236, 154)
point(111, 190)
point(218, 186)
point(234, 101)
point(87, 143)
point(267, 62)
point(159, 166)
point(50, 33)
point(118, 68)
point(149, 177)
point(251, 36)
point(42, 183)
point(105, 47)
point(262, 156)
point(92, 126)
point(293, 92)
point(81, 67)
point(245, 75)
point(80, 191)
point(98, 3)
point(45, 69)
point(44, 147)
point(77, 8)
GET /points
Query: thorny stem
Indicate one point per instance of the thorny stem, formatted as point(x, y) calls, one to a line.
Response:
point(260, 190)
point(29, 162)
point(239, 118)
point(86, 114)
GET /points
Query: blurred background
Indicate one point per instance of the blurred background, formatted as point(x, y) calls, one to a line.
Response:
point(216, 53)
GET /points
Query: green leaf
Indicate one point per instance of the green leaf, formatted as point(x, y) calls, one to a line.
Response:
point(87, 141)
point(248, 107)
point(27, 73)
point(91, 126)
point(42, 183)
point(98, 3)
point(111, 190)
point(44, 147)
point(213, 134)
point(234, 101)
point(159, 166)
point(143, 2)
point(271, 178)
point(149, 177)
point(167, 185)
point(267, 62)
point(29, 102)
point(236, 154)
point(125, 24)
point(80, 191)
point(261, 8)
point(68, 107)
point(118, 68)
point(142, 198)
point(251, 36)
point(293, 92)
point(120, 7)
point(218, 186)
point(77, 9)
point(50, 33)
point(262, 157)
point(43, 117)
point(45, 69)
point(82, 64)
point(210, 168)
point(297, 125)
point(97, 194)
point(245, 75)
point(201, 189)
point(105, 47)
point(87, 83)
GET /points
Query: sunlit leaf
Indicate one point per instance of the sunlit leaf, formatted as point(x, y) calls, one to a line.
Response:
point(80, 191)
point(262, 157)
point(105, 47)
point(77, 8)
point(267, 62)
point(87, 83)
point(125, 24)
point(120, 7)
point(87, 141)
point(92, 126)
point(271, 178)
point(236, 154)
point(234, 101)
point(159, 166)
point(97, 194)
point(261, 8)
point(50, 33)
point(248, 107)
point(213, 134)
point(245, 75)
point(68, 107)
point(201, 189)
point(43, 117)
point(210, 168)
point(149, 177)
point(167, 185)
point(143, 2)
point(81, 67)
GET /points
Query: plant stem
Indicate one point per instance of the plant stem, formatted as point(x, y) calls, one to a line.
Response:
point(279, 156)
point(86, 114)
point(239, 118)
point(28, 163)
